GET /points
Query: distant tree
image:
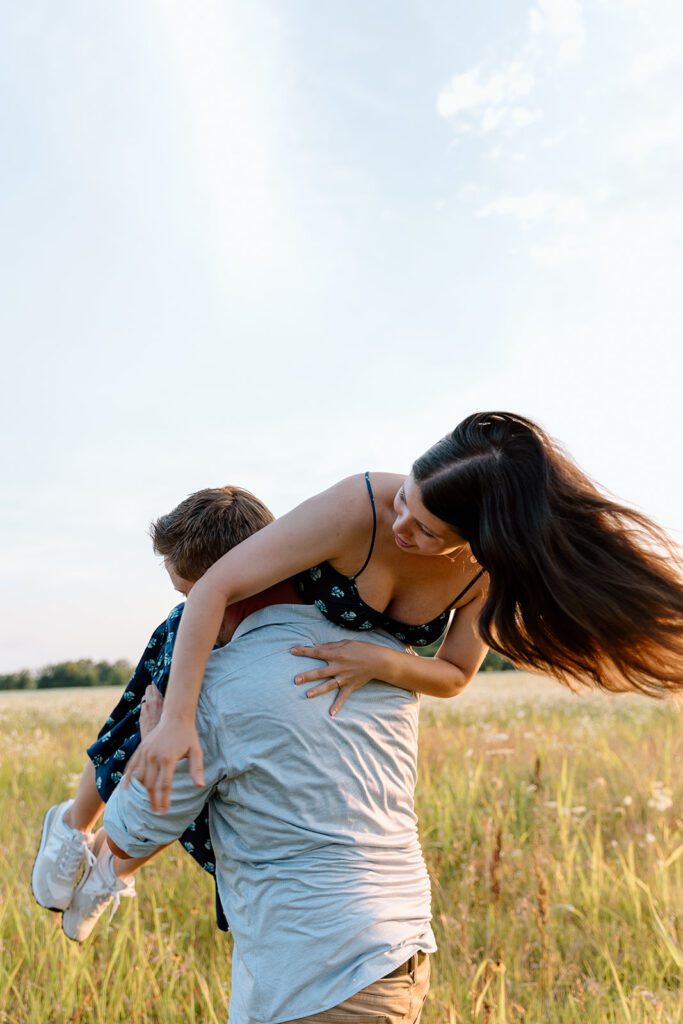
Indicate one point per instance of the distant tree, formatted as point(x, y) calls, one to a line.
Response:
point(68, 673)
point(116, 674)
point(84, 672)
point(496, 663)
point(18, 681)
point(492, 662)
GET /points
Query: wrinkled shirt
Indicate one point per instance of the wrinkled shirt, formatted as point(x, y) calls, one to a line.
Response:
point(318, 860)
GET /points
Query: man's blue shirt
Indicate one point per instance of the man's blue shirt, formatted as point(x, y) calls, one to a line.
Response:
point(318, 860)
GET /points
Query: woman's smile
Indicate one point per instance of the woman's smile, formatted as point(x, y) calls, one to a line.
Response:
point(402, 543)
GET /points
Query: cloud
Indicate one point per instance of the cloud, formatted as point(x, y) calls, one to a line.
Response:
point(558, 208)
point(561, 22)
point(475, 101)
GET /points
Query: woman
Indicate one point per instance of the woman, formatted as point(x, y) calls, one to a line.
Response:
point(495, 521)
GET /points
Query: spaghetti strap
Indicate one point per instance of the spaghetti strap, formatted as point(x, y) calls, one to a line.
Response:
point(374, 526)
point(465, 589)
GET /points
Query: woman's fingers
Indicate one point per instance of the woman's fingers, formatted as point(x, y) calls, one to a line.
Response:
point(350, 664)
point(321, 651)
point(342, 697)
point(327, 687)
point(313, 675)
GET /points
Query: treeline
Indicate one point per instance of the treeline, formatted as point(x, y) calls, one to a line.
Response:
point(496, 663)
point(492, 662)
point(104, 673)
point(69, 673)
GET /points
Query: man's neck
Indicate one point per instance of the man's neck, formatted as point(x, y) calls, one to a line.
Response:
point(285, 592)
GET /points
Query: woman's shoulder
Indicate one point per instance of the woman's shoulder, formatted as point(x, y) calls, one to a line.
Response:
point(356, 491)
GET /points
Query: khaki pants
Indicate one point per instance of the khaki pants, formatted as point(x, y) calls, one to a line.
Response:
point(396, 999)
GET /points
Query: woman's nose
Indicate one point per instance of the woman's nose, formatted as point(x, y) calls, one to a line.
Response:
point(402, 521)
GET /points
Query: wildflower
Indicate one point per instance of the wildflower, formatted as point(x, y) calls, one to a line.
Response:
point(661, 797)
point(660, 802)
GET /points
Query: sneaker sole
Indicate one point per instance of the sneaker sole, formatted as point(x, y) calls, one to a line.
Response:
point(71, 938)
point(47, 824)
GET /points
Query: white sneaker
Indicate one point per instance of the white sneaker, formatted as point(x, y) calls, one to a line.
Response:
point(99, 887)
point(60, 856)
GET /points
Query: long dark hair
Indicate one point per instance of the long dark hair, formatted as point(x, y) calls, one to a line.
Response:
point(580, 586)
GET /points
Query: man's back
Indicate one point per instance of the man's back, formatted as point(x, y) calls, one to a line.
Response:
point(318, 861)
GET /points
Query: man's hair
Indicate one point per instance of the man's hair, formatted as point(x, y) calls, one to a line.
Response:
point(205, 526)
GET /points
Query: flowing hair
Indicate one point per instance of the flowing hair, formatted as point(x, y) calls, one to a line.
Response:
point(580, 586)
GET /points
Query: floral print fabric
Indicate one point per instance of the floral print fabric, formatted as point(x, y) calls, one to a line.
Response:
point(120, 736)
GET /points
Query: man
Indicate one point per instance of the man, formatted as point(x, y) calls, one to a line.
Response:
point(317, 856)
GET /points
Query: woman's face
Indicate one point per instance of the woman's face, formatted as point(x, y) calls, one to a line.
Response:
point(417, 530)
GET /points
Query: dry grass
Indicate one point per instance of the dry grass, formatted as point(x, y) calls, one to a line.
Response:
point(553, 834)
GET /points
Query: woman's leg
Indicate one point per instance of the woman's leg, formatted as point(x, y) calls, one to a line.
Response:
point(87, 805)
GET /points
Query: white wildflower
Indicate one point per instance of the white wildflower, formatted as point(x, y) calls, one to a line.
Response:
point(660, 801)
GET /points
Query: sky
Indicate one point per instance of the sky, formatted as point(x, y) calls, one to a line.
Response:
point(275, 243)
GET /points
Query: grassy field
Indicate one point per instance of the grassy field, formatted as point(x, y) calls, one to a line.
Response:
point(553, 833)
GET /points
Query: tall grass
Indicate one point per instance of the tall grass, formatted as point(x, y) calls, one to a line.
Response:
point(554, 840)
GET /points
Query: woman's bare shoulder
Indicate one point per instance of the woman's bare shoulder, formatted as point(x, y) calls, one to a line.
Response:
point(348, 504)
point(386, 481)
point(385, 485)
point(350, 497)
point(345, 507)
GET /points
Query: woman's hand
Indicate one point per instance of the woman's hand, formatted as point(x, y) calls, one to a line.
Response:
point(154, 761)
point(350, 665)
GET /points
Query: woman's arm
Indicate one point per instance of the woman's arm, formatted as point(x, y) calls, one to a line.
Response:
point(352, 663)
point(322, 528)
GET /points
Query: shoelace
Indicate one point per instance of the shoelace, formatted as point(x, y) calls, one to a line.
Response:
point(107, 894)
point(105, 897)
point(70, 858)
point(118, 893)
point(115, 903)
